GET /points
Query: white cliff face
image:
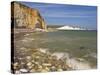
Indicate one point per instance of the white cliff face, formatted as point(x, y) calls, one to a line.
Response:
point(69, 28)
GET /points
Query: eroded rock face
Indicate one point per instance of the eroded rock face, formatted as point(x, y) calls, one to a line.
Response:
point(25, 17)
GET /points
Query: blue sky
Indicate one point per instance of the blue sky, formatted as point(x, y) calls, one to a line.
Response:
point(63, 14)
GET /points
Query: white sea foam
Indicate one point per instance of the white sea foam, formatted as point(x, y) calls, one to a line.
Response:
point(94, 55)
point(43, 50)
point(61, 55)
point(26, 39)
point(26, 34)
point(78, 65)
point(73, 62)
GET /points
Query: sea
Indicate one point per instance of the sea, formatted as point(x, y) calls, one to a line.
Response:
point(79, 46)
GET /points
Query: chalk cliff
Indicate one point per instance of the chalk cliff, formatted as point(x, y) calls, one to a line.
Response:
point(70, 28)
point(23, 16)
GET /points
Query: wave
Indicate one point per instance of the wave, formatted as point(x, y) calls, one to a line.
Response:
point(75, 63)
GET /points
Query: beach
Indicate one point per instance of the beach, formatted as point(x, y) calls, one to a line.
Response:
point(76, 48)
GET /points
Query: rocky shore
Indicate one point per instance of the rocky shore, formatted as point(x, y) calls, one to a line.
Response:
point(39, 61)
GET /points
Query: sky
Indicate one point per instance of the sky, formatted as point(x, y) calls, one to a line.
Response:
point(64, 14)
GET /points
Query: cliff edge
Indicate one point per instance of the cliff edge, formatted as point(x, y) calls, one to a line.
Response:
point(23, 16)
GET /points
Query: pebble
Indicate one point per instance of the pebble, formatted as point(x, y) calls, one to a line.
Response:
point(37, 57)
point(14, 68)
point(16, 64)
point(23, 48)
point(54, 57)
point(37, 63)
point(29, 64)
point(44, 70)
point(20, 58)
point(80, 59)
point(40, 67)
point(40, 62)
point(69, 65)
point(17, 72)
point(46, 64)
point(33, 61)
point(42, 50)
point(39, 70)
point(26, 34)
point(23, 70)
point(32, 70)
point(59, 69)
point(28, 57)
point(53, 68)
point(22, 63)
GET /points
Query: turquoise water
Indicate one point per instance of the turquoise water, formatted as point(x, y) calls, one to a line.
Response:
point(79, 44)
point(67, 40)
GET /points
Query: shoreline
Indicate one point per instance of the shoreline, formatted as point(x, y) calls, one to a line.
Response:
point(26, 30)
point(39, 61)
point(42, 57)
point(74, 63)
point(71, 62)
